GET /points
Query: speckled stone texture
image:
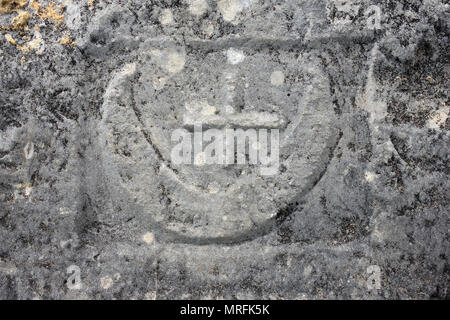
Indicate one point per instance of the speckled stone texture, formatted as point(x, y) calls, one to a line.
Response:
point(92, 207)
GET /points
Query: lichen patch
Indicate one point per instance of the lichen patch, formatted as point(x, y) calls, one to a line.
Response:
point(148, 238)
point(10, 39)
point(106, 282)
point(51, 12)
point(175, 62)
point(35, 5)
point(66, 41)
point(198, 7)
point(229, 9)
point(9, 6)
point(20, 21)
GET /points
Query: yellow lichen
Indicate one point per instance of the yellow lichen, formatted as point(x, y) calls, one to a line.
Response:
point(29, 46)
point(91, 3)
point(8, 6)
point(48, 11)
point(34, 44)
point(21, 20)
point(51, 12)
point(35, 5)
point(65, 41)
point(10, 39)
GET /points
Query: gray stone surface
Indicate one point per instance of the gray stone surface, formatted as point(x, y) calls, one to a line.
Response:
point(91, 206)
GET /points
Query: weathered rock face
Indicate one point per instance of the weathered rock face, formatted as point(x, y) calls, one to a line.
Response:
point(93, 206)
